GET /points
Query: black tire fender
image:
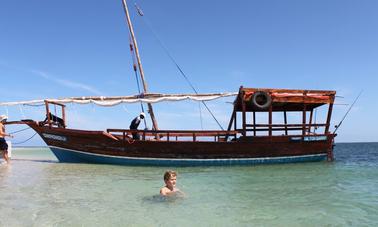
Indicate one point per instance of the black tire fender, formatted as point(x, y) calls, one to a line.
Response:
point(261, 100)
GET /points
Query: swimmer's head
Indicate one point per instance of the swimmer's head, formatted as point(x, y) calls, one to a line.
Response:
point(169, 174)
point(170, 179)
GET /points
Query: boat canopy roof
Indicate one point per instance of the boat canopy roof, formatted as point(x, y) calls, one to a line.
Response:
point(283, 99)
point(116, 100)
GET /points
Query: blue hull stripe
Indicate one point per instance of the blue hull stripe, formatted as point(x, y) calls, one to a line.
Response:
point(74, 156)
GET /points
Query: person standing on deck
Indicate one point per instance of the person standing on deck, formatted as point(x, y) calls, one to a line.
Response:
point(3, 143)
point(135, 123)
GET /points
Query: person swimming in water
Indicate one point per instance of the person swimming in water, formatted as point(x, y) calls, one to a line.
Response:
point(170, 178)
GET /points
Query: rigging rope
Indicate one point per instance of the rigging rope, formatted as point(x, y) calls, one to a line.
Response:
point(19, 130)
point(139, 10)
point(25, 140)
point(355, 100)
point(174, 61)
point(137, 77)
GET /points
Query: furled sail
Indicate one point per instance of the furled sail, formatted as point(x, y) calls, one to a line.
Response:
point(116, 100)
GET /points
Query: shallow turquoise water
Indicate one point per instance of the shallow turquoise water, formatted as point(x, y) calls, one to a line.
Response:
point(36, 190)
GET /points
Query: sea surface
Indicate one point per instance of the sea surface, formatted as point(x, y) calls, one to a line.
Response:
point(36, 190)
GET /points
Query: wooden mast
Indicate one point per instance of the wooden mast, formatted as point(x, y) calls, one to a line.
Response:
point(150, 110)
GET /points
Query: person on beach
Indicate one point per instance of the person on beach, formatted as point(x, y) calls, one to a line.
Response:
point(3, 143)
point(135, 123)
point(169, 189)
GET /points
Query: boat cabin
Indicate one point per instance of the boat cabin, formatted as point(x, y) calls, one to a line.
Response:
point(254, 104)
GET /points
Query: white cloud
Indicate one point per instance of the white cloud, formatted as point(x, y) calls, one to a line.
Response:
point(67, 83)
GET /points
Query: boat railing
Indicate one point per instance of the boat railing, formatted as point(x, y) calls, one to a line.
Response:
point(173, 135)
point(303, 128)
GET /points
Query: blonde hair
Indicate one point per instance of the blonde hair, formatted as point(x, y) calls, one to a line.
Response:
point(168, 174)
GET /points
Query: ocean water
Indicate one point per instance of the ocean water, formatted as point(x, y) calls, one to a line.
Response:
point(36, 190)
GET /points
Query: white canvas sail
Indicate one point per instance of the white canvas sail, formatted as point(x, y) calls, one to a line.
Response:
point(116, 100)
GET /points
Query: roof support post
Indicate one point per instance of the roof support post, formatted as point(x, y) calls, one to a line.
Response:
point(254, 123)
point(270, 119)
point(310, 123)
point(235, 123)
point(47, 113)
point(244, 117)
point(232, 119)
point(326, 130)
point(285, 121)
point(304, 120)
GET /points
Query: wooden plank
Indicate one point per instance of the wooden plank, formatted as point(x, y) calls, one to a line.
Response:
point(329, 117)
point(276, 90)
point(48, 113)
point(304, 99)
point(171, 131)
point(15, 122)
point(254, 123)
point(310, 123)
point(282, 125)
point(233, 116)
point(270, 120)
point(276, 129)
point(64, 116)
point(304, 115)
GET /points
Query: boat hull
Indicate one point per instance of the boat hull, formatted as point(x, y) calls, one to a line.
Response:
point(74, 156)
point(79, 146)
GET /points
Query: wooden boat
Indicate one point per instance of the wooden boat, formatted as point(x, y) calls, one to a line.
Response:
point(252, 143)
point(245, 141)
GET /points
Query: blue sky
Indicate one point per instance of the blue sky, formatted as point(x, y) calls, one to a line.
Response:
point(70, 48)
